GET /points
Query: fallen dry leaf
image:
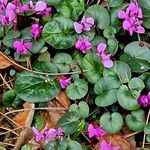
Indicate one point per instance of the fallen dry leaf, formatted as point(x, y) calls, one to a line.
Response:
point(6, 61)
point(24, 119)
point(63, 99)
point(116, 140)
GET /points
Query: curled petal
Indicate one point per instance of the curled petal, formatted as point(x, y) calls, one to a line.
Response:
point(40, 6)
point(78, 27)
point(101, 48)
point(122, 15)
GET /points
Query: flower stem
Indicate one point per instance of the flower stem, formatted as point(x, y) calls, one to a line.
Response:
point(139, 38)
point(148, 116)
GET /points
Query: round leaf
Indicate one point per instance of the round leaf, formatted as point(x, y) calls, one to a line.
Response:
point(93, 66)
point(147, 129)
point(57, 33)
point(136, 120)
point(77, 90)
point(62, 61)
point(123, 71)
point(100, 15)
point(127, 98)
point(83, 109)
point(112, 123)
point(36, 88)
point(106, 98)
point(136, 84)
point(148, 139)
point(112, 46)
point(109, 32)
point(69, 122)
point(73, 145)
point(115, 3)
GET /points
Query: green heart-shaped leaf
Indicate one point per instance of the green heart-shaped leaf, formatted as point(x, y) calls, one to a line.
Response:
point(112, 123)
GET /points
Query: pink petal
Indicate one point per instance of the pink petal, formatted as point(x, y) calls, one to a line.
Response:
point(78, 27)
point(40, 6)
point(83, 20)
point(91, 131)
point(35, 131)
point(107, 63)
point(126, 25)
point(140, 29)
point(104, 145)
point(28, 45)
point(101, 48)
point(122, 15)
point(90, 20)
point(52, 133)
point(131, 30)
point(11, 15)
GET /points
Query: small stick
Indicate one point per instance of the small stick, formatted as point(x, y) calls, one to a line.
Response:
point(131, 134)
point(9, 130)
point(5, 81)
point(11, 121)
point(40, 108)
point(148, 116)
point(8, 144)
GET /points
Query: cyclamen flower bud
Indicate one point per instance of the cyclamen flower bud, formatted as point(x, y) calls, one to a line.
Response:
point(64, 82)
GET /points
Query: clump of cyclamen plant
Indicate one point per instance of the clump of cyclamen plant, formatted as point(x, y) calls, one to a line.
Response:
point(46, 134)
point(132, 18)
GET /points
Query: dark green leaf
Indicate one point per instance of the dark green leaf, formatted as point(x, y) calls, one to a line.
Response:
point(115, 3)
point(147, 129)
point(73, 145)
point(112, 123)
point(136, 120)
point(69, 122)
point(99, 14)
point(92, 63)
point(58, 34)
point(62, 61)
point(77, 90)
point(127, 98)
point(36, 88)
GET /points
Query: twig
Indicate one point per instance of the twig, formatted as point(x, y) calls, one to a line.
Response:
point(37, 72)
point(11, 121)
point(5, 81)
point(148, 116)
point(131, 134)
point(8, 144)
point(86, 137)
point(40, 108)
point(9, 130)
point(98, 2)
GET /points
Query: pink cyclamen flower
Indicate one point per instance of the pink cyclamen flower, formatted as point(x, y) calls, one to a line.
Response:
point(3, 4)
point(41, 8)
point(95, 132)
point(144, 100)
point(107, 62)
point(21, 46)
point(64, 82)
point(107, 146)
point(84, 25)
point(132, 18)
point(36, 30)
point(40, 136)
point(83, 45)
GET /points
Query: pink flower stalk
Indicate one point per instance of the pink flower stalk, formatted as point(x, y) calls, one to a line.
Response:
point(36, 30)
point(21, 46)
point(84, 25)
point(41, 8)
point(105, 146)
point(107, 62)
point(64, 82)
point(144, 100)
point(83, 45)
point(95, 132)
point(132, 18)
